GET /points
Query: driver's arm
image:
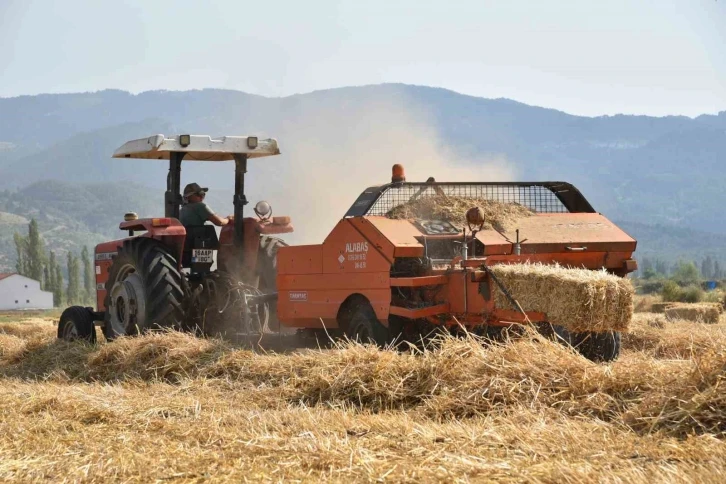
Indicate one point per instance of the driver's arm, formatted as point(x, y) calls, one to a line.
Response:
point(218, 221)
point(213, 217)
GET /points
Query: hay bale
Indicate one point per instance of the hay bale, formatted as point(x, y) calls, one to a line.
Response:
point(576, 299)
point(453, 209)
point(661, 307)
point(702, 312)
point(644, 303)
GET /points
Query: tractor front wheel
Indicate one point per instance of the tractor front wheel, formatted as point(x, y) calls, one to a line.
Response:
point(144, 290)
point(76, 324)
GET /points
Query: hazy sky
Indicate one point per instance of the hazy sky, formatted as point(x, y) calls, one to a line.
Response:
point(585, 57)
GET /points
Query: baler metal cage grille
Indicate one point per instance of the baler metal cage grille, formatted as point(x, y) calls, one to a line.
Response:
point(538, 198)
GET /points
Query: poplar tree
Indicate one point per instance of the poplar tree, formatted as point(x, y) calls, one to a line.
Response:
point(45, 284)
point(88, 276)
point(35, 254)
point(20, 244)
point(55, 286)
point(58, 282)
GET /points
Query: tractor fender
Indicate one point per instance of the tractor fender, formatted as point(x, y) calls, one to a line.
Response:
point(169, 231)
point(174, 241)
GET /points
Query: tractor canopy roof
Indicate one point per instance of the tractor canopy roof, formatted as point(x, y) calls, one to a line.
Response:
point(198, 147)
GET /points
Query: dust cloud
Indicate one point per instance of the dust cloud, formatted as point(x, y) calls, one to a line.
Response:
point(332, 153)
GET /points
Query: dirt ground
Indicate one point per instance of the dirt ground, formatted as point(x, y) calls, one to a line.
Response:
point(173, 408)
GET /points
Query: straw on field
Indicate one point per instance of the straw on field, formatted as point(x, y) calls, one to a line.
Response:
point(453, 209)
point(576, 299)
point(170, 407)
point(529, 371)
point(701, 312)
point(658, 337)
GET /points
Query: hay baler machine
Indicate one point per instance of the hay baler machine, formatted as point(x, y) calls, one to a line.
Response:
point(161, 275)
point(380, 276)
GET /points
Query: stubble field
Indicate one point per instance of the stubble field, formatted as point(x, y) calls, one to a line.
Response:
point(174, 408)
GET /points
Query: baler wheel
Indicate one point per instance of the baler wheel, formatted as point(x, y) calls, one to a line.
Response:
point(144, 290)
point(365, 328)
point(554, 332)
point(76, 323)
point(598, 347)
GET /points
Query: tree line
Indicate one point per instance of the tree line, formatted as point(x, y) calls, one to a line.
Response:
point(683, 280)
point(709, 269)
point(35, 262)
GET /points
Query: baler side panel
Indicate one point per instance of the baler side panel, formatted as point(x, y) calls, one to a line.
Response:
point(314, 281)
point(354, 248)
point(299, 259)
point(307, 308)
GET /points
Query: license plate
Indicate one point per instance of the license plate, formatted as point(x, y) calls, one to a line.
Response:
point(202, 256)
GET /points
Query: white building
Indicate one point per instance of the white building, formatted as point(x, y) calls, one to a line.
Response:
point(20, 292)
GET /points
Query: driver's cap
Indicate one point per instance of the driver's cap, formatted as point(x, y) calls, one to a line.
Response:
point(193, 188)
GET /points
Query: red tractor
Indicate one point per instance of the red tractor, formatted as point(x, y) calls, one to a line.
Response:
point(161, 275)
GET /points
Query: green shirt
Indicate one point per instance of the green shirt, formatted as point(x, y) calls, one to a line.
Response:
point(195, 214)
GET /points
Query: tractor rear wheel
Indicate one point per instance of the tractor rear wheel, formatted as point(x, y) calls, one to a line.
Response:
point(76, 323)
point(144, 290)
point(598, 347)
point(365, 328)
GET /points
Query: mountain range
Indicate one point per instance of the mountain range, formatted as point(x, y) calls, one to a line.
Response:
point(660, 177)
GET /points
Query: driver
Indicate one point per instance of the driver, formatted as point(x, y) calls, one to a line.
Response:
point(195, 212)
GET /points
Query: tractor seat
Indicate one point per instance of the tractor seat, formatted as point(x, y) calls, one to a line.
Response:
point(199, 237)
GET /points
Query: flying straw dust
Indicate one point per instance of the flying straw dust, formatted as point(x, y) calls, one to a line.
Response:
point(335, 152)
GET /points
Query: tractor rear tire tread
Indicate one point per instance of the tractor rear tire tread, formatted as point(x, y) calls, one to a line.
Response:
point(162, 282)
